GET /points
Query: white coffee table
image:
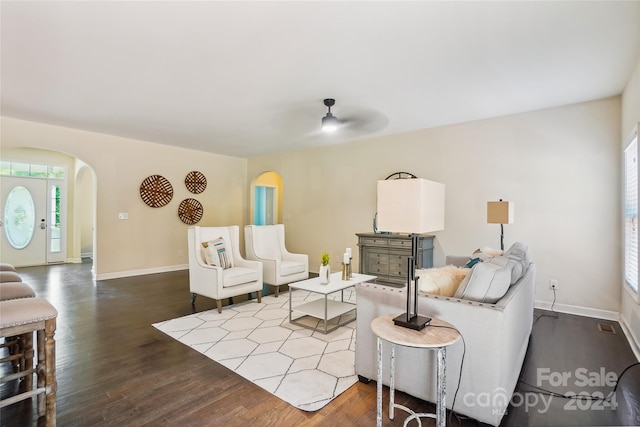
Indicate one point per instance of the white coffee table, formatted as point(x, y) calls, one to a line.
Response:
point(324, 308)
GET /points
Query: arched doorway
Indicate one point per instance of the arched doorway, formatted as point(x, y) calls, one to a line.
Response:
point(51, 180)
point(85, 210)
point(266, 199)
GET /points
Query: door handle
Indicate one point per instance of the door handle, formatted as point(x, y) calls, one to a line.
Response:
point(43, 224)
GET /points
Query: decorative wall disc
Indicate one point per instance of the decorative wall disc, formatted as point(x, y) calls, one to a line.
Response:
point(156, 191)
point(190, 211)
point(196, 182)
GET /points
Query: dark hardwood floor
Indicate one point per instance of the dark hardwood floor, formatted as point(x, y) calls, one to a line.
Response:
point(115, 369)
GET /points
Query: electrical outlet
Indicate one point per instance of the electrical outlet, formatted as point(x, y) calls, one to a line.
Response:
point(553, 283)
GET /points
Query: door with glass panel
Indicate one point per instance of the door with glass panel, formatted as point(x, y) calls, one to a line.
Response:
point(24, 221)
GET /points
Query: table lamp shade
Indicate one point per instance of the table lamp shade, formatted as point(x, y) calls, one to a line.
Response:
point(499, 212)
point(412, 205)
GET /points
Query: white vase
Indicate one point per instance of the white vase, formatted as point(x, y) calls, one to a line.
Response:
point(325, 271)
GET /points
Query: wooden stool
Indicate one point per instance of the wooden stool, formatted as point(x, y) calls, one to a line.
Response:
point(9, 291)
point(9, 276)
point(6, 267)
point(15, 290)
point(23, 317)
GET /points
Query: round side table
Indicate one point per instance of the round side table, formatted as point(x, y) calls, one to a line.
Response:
point(436, 336)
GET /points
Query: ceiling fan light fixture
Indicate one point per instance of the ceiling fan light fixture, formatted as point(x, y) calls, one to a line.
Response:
point(329, 122)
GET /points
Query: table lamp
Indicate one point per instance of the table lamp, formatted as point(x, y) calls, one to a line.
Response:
point(500, 212)
point(413, 206)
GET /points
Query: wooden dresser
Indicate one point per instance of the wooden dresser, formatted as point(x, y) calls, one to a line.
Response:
point(385, 255)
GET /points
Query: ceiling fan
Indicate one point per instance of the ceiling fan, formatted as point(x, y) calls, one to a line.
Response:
point(359, 121)
point(306, 121)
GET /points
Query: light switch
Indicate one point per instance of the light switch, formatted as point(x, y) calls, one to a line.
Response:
point(123, 215)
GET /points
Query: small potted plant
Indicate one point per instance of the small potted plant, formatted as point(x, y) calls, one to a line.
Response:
point(325, 269)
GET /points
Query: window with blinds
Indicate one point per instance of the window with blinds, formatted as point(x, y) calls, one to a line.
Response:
point(631, 214)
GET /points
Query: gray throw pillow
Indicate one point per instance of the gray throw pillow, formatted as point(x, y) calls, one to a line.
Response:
point(487, 282)
point(518, 254)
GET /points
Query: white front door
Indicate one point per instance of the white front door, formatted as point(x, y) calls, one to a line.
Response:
point(23, 221)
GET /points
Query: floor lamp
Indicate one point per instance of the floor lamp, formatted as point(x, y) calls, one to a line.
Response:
point(500, 212)
point(413, 206)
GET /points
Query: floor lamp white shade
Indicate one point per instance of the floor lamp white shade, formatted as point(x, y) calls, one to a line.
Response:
point(412, 205)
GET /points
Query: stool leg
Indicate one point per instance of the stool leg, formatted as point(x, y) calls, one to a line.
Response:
point(27, 360)
point(40, 371)
point(18, 348)
point(50, 371)
point(13, 345)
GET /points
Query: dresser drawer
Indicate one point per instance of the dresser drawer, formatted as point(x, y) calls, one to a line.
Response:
point(398, 272)
point(400, 243)
point(398, 265)
point(374, 241)
point(398, 258)
point(377, 268)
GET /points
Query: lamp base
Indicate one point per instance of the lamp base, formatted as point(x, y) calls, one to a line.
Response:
point(416, 323)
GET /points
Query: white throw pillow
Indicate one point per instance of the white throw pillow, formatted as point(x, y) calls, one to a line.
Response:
point(216, 253)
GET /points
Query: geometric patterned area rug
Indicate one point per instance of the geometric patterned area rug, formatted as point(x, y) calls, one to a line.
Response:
point(305, 368)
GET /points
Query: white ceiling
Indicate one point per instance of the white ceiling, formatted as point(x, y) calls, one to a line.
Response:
point(245, 78)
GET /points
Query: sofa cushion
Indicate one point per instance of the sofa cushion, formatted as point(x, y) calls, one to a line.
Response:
point(441, 281)
point(487, 281)
point(239, 276)
point(288, 268)
point(216, 253)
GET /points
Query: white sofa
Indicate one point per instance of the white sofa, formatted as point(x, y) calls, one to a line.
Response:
point(496, 337)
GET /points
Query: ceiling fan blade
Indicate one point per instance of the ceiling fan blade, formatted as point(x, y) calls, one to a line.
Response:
point(364, 122)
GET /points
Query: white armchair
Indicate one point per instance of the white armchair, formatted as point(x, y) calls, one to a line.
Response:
point(214, 281)
point(265, 243)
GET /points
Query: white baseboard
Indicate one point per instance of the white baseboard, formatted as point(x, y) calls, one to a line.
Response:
point(580, 311)
point(131, 273)
point(634, 341)
point(74, 260)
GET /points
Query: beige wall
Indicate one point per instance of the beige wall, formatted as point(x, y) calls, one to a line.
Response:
point(559, 166)
point(151, 239)
point(630, 309)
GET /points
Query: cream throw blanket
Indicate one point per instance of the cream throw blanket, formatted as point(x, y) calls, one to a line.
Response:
point(441, 281)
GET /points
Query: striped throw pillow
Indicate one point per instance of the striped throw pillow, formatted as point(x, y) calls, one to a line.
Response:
point(216, 253)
